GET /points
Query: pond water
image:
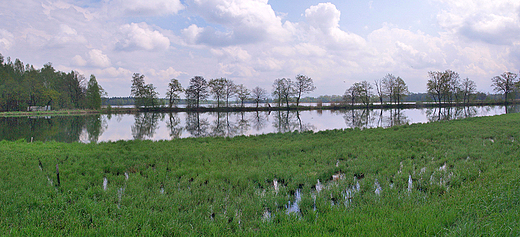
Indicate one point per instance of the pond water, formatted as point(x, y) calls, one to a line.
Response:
point(167, 126)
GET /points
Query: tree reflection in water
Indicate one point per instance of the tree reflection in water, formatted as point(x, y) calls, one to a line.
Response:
point(173, 125)
point(95, 126)
point(289, 121)
point(365, 118)
point(450, 113)
point(259, 120)
point(196, 126)
point(145, 125)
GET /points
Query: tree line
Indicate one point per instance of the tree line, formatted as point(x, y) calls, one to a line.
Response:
point(22, 88)
point(221, 89)
point(442, 87)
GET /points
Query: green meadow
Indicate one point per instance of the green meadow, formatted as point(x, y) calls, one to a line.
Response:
point(449, 178)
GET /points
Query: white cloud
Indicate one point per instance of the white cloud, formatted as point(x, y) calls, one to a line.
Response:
point(166, 74)
point(147, 7)
point(245, 21)
point(324, 27)
point(79, 61)
point(113, 72)
point(67, 35)
point(494, 22)
point(141, 36)
point(6, 39)
point(232, 53)
point(98, 59)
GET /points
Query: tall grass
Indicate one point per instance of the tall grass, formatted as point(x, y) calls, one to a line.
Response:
point(464, 182)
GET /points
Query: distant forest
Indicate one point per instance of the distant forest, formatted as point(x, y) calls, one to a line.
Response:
point(24, 88)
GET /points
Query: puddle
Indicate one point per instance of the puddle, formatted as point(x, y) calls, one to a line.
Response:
point(294, 208)
point(275, 184)
point(266, 216)
point(350, 191)
point(105, 182)
point(378, 188)
point(126, 176)
point(410, 183)
point(120, 195)
point(319, 187)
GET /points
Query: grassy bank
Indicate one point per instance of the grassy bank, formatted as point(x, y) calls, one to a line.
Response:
point(454, 178)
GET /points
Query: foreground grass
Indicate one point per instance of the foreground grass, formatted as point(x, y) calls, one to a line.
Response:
point(465, 181)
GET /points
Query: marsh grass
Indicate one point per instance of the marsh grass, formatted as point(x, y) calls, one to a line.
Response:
point(464, 174)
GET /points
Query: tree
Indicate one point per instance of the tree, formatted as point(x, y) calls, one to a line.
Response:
point(388, 86)
point(197, 91)
point(229, 90)
point(364, 91)
point(218, 89)
point(138, 89)
point(282, 90)
point(258, 95)
point(174, 88)
point(468, 88)
point(242, 93)
point(379, 90)
point(505, 83)
point(302, 85)
point(435, 85)
point(144, 94)
point(400, 90)
point(94, 92)
point(352, 93)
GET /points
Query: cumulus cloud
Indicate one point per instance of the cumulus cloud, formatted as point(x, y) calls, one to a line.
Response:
point(494, 22)
point(166, 74)
point(98, 59)
point(6, 39)
point(141, 36)
point(147, 7)
point(324, 27)
point(245, 21)
point(66, 35)
point(79, 61)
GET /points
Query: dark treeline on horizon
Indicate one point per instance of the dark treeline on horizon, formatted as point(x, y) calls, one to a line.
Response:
point(24, 88)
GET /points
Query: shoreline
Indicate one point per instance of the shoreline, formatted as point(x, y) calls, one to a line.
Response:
point(341, 106)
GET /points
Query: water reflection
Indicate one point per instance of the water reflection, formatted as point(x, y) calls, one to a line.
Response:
point(145, 125)
point(165, 126)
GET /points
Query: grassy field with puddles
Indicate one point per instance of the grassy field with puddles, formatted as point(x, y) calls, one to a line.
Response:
point(452, 178)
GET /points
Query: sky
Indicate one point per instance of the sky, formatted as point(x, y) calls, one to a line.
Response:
point(254, 42)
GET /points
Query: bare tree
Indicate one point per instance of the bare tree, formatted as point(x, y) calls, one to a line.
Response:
point(302, 85)
point(352, 93)
point(197, 91)
point(218, 89)
point(468, 88)
point(505, 83)
point(258, 95)
point(435, 85)
point(379, 90)
point(174, 88)
point(388, 86)
point(283, 90)
point(242, 93)
point(229, 90)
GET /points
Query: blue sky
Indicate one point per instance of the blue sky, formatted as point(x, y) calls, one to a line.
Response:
point(254, 42)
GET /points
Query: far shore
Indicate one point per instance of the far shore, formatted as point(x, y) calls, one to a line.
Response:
point(263, 107)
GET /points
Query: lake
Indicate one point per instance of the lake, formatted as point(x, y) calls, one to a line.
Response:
point(167, 126)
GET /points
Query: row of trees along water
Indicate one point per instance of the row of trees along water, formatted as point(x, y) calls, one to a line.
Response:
point(221, 89)
point(22, 88)
point(442, 87)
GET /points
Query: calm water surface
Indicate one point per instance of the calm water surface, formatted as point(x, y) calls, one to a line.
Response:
point(167, 126)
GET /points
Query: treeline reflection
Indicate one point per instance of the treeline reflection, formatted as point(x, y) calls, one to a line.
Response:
point(217, 124)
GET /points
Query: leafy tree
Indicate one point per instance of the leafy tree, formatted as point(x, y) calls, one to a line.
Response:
point(94, 92)
point(505, 83)
point(197, 91)
point(218, 89)
point(258, 95)
point(174, 88)
point(444, 86)
point(352, 93)
point(400, 90)
point(302, 85)
point(144, 94)
point(379, 90)
point(242, 93)
point(364, 91)
point(435, 85)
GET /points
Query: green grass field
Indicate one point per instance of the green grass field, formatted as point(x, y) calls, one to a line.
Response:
point(452, 178)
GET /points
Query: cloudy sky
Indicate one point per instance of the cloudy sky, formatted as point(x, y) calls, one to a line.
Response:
point(253, 42)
